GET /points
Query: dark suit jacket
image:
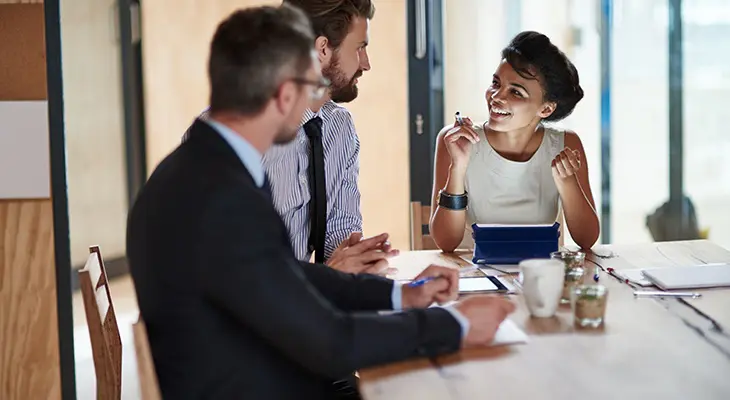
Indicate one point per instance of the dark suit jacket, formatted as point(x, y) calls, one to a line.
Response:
point(230, 312)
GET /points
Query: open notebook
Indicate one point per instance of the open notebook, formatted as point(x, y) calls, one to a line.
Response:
point(690, 277)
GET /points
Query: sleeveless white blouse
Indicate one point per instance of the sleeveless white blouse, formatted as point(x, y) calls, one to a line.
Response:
point(502, 191)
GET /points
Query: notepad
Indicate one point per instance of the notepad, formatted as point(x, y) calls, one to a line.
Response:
point(690, 277)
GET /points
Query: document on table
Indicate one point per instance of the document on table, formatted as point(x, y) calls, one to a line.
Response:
point(507, 333)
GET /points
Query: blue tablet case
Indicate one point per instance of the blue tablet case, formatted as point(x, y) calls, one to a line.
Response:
point(510, 244)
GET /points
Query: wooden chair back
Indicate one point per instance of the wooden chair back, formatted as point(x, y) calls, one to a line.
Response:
point(148, 385)
point(420, 216)
point(106, 344)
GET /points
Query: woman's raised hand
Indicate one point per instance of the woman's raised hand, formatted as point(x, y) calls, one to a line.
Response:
point(459, 140)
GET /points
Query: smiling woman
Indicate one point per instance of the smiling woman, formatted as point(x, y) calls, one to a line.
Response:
point(512, 169)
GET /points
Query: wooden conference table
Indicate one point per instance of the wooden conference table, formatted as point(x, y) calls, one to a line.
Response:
point(649, 348)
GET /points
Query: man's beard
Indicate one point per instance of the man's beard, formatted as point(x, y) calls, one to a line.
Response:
point(342, 90)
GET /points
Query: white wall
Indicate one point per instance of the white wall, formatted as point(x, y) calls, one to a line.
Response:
point(93, 113)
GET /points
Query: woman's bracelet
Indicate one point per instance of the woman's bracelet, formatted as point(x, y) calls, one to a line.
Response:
point(453, 201)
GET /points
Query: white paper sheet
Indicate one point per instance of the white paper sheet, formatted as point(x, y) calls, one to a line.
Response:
point(24, 151)
point(476, 285)
point(507, 333)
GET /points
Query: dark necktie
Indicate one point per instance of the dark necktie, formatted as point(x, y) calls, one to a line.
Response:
point(318, 202)
point(266, 187)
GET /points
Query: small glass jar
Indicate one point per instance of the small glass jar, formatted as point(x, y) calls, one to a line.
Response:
point(574, 270)
point(589, 305)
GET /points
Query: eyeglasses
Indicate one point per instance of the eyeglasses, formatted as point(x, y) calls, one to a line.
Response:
point(319, 86)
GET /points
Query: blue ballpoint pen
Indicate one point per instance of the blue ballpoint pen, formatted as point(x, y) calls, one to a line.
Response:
point(422, 281)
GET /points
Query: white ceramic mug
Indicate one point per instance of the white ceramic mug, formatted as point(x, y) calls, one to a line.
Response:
point(542, 285)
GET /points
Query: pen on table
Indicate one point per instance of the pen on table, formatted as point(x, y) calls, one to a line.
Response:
point(647, 293)
point(422, 281)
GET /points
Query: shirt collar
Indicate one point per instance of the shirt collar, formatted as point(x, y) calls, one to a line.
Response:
point(250, 157)
point(309, 114)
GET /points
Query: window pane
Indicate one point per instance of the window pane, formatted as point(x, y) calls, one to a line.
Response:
point(706, 29)
point(640, 127)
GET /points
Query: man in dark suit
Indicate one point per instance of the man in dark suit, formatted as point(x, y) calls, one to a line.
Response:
point(230, 312)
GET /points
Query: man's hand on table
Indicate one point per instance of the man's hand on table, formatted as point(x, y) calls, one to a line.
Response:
point(441, 290)
point(484, 313)
point(357, 255)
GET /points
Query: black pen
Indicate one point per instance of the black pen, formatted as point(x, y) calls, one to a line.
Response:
point(459, 119)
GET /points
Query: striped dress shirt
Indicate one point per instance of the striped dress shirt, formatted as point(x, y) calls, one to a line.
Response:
point(287, 167)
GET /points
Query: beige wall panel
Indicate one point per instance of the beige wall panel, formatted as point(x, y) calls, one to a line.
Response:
point(176, 90)
point(177, 35)
point(381, 119)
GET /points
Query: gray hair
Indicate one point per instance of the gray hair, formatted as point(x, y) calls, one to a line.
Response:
point(252, 51)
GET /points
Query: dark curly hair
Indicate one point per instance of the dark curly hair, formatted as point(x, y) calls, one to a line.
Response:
point(533, 56)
